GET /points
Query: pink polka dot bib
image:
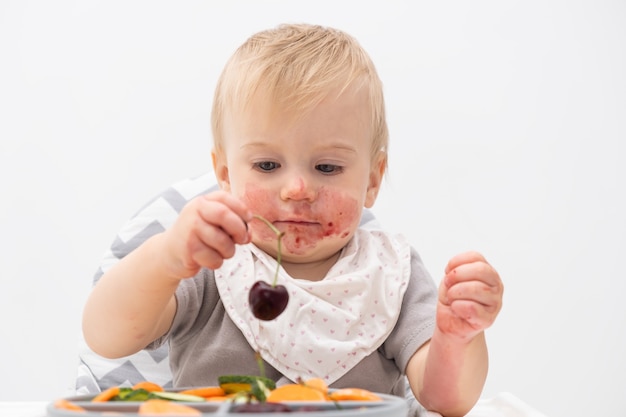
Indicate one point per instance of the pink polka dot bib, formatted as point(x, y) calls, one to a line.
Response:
point(330, 325)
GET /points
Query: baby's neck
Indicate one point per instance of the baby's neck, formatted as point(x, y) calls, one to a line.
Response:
point(311, 271)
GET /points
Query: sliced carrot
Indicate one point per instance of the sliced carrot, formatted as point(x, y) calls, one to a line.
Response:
point(205, 392)
point(353, 394)
point(64, 404)
point(317, 383)
point(106, 395)
point(295, 392)
point(148, 386)
point(157, 407)
point(219, 398)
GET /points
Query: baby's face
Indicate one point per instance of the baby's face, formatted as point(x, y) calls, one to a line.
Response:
point(310, 175)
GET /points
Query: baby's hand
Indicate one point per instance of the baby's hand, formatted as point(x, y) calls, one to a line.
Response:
point(205, 233)
point(470, 296)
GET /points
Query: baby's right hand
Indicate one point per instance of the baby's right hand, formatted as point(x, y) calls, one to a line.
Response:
point(205, 233)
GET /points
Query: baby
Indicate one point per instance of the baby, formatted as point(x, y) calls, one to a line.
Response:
point(300, 138)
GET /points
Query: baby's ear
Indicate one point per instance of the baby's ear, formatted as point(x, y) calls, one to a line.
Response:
point(221, 170)
point(377, 172)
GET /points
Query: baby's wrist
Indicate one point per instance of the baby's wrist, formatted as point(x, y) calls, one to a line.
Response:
point(452, 339)
point(169, 267)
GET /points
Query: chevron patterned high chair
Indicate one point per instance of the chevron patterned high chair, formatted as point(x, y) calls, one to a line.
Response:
point(96, 373)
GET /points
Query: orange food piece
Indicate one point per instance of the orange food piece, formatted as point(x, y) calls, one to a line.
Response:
point(317, 383)
point(353, 394)
point(157, 407)
point(296, 392)
point(106, 395)
point(64, 404)
point(206, 392)
point(220, 398)
point(148, 386)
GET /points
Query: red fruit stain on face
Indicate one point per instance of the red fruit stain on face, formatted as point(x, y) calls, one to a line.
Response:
point(331, 214)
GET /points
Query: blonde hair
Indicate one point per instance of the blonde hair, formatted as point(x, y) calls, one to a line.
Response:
point(298, 65)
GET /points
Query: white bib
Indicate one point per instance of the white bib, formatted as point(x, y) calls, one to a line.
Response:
point(330, 325)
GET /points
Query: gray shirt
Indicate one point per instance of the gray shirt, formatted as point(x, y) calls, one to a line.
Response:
point(205, 343)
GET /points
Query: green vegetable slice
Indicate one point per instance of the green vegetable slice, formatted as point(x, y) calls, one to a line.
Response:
point(260, 390)
point(175, 396)
point(257, 386)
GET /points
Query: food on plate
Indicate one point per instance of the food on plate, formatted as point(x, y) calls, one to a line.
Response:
point(296, 392)
point(148, 386)
point(64, 404)
point(353, 394)
point(107, 394)
point(176, 396)
point(146, 391)
point(205, 392)
point(317, 383)
point(247, 393)
point(156, 407)
point(257, 387)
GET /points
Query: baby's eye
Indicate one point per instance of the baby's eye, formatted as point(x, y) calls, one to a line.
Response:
point(329, 168)
point(266, 166)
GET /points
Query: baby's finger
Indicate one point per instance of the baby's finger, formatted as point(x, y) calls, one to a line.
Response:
point(474, 314)
point(464, 258)
point(475, 271)
point(228, 213)
point(214, 239)
point(474, 291)
point(209, 257)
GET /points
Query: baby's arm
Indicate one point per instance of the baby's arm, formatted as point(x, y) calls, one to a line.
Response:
point(133, 303)
point(448, 373)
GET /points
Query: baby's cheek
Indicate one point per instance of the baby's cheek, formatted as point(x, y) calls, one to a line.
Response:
point(339, 211)
point(338, 215)
point(259, 202)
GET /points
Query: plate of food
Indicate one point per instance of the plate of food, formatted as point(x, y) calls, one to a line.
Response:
point(235, 394)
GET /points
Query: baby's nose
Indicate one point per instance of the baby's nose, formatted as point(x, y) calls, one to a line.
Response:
point(298, 188)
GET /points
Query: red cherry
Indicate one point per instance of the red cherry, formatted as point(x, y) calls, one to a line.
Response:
point(267, 301)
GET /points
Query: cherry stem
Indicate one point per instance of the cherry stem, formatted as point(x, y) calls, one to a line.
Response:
point(259, 361)
point(279, 236)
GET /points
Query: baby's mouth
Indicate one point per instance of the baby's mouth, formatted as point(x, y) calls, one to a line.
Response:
point(296, 222)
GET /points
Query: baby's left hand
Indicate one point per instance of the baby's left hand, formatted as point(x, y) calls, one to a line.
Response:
point(470, 296)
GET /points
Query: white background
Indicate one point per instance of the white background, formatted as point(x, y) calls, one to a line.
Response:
point(508, 131)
